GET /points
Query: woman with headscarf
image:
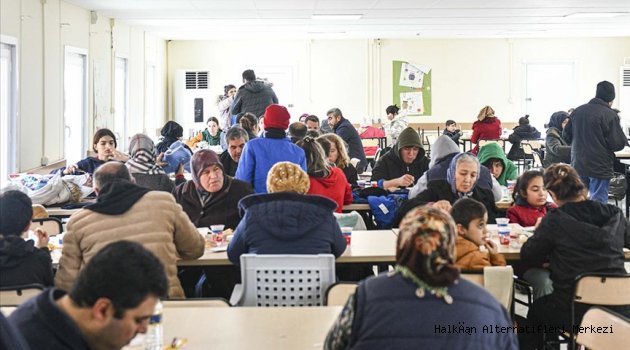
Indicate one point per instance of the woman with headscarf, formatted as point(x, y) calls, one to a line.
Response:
point(171, 132)
point(211, 197)
point(416, 305)
point(487, 127)
point(142, 165)
point(461, 182)
point(557, 150)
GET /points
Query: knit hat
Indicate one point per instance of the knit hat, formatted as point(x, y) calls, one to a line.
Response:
point(605, 91)
point(200, 161)
point(287, 177)
point(485, 112)
point(409, 137)
point(16, 212)
point(276, 117)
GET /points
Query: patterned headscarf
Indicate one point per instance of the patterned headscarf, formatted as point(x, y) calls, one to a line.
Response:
point(142, 161)
point(452, 171)
point(426, 246)
point(200, 161)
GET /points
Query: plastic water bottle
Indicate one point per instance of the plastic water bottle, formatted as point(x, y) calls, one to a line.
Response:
point(153, 340)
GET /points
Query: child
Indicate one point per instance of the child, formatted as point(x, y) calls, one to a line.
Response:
point(452, 131)
point(530, 199)
point(492, 156)
point(471, 217)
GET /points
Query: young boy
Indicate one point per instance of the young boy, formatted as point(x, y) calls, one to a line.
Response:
point(452, 131)
point(471, 217)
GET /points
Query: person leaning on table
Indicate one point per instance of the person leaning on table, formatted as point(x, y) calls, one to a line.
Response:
point(415, 305)
point(126, 211)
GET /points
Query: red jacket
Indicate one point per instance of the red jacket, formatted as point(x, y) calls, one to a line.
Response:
point(487, 129)
point(526, 215)
point(335, 187)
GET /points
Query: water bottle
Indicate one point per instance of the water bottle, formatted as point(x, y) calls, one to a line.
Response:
point(153, 340)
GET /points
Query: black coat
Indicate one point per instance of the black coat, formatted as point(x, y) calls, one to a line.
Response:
point(441, 190)
point(229, 165)
point(391, 166)
point(22, 263)
point(521, 132)
point(556, 148)
point(253, 97)
point(576, 238)
point(595, 133)
point(350, 136)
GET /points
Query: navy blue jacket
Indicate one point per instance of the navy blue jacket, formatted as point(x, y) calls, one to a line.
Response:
point(286, 223)
point(438, 172)
point(389, 315)
point(349, 134)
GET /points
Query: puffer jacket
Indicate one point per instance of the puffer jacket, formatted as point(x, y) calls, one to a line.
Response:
point(521, 132)
point(493, 150)
point(469, 257)
point(391, 166)
point(156, 221)
point(306, 226)
point(335, 187)
point(253, 97)
point(557, 150)
point(22, 263)
point(487, 129)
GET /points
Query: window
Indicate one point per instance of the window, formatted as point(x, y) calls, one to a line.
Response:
point(121, 102)
point(75, 104)
point(150, 122)
point(8, 99)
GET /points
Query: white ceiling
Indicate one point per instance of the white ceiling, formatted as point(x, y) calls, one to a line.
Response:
point(234, 19)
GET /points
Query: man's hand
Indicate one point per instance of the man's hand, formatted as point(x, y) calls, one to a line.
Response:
point(42, 238)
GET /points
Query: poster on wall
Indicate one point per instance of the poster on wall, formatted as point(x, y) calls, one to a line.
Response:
point(412, 87)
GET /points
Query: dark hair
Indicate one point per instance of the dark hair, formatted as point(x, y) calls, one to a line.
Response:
point(520, 188)
point(236, 132)
point(227, 88)
point(99, 134)
point(212, 119)
point(450, 122)
point(564, 182)
point(466, 210)
point(335, 111)
point(123, 272)
point(316, 162)
point(249, 75)
point(16, 212)
point(313, 133)
point(524, 120)
point(248, 121)
point(297, 130)
point(312, 118)
point(110, 172)
point(491, 161)
point(325, 144)
point(393, 109)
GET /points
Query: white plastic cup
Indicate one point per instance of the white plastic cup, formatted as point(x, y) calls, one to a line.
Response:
point(347, 233)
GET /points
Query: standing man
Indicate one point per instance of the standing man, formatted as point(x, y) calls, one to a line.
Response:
point(236, 139)
point(596, 134)
point(253, 96)
point(342, 127)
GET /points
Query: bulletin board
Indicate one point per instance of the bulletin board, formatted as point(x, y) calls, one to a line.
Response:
point(412, 88)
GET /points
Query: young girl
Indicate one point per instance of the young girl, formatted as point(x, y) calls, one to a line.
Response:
point(104, 144)
point(530, 199)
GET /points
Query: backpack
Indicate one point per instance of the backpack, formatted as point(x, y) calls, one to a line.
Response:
point(618, 186)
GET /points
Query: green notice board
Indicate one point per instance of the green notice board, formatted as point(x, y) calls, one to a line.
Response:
point(412, 88)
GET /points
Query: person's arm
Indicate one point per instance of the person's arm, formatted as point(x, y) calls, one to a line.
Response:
point(347, 196)
point(556, 147)
point(237, 104)
point(274, 98)
point(474, 138)
point(246, 165)
point(420, 186)
point(338, 337)
point(225, 104)
point(539, 245)
point(615, 139)
point(567, 132)
point(188, 242)
point(238, 246)
point(70, 261)
point(339, 241)
point(379, 172)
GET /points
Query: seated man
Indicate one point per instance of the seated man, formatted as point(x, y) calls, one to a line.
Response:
point(111, 301)
point(404, 164)
point(21, 262)
point(236, 138)
point(493, 157)
point(312, 122)
point(297, 131)
point(127, 211)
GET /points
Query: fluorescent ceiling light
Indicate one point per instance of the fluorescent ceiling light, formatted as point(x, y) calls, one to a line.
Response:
point(316, 33)
point(596, 14)
point(338, 17)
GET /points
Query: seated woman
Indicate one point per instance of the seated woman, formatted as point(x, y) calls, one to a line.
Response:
point(461, 182)
point(557, 150)
point(523, 131)
point(487, 127)
point(211, 197)
point(580, 236)
point(285, 220)
point(104, 144)
point(211, 135)
point(493, 157)
point(338, 155)
point(143, 169)
point(414, 306)
point(171, 132)
point(325, 180)
point(404, 164)
point(250, 123)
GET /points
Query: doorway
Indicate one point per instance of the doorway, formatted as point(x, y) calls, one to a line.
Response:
point(75, 104)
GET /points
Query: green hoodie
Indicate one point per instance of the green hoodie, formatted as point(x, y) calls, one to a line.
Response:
point(493, 150)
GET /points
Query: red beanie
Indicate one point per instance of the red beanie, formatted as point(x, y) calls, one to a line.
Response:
point(277, 117)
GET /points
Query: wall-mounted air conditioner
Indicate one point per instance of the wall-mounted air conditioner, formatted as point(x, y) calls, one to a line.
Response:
point(623, 96)
point(193, 102)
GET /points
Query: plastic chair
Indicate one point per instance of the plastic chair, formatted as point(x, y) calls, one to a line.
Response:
point(597, 317)
point(196, 303)
point(498, 280)
point(284, 280)
point(16, 295)
point(52, 226)
point(337, 294)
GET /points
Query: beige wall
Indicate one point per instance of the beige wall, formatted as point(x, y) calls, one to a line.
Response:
point(42, 32)
point(356, 75)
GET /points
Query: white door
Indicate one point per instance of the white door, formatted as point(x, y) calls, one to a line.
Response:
point(121, 102)
point(549, 87)
point(75, 104)
point(8, 142)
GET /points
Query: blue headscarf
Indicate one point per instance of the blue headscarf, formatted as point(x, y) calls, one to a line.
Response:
point(452, 168)
point(556, 120)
